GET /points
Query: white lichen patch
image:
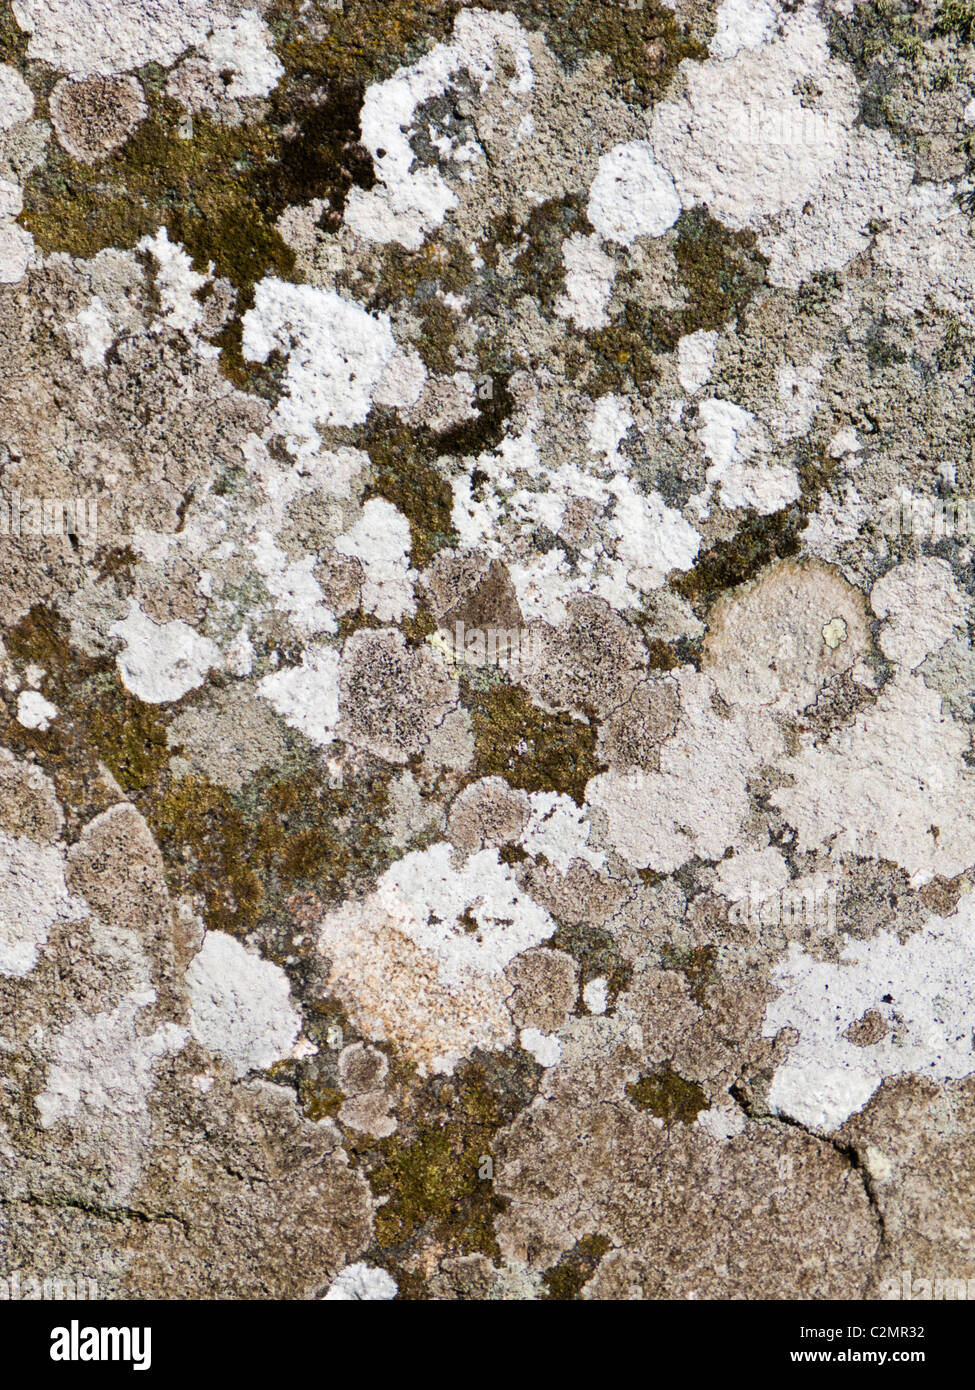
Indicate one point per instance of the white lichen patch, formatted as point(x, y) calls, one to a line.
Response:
point(240, 1005)
point(891, 786)
point(595, 995)
point(921, 607)
point(160, 662)
point(420, 961)
point(34, 712)
point(337, 354)
point(632, 196)
point(742, 24)
point(380, 541)
point(176, 280)
point(16, 98)
point(558, 830)
point(917, 994)
point(731, 437)
point(33, 897)
point(307, 696)
point(695, 360)
point(803, 173)
point(546, 1049)
point(589, 277)
point(697, 801)
point(100, 1079)
point(16, 244)
point(239, 50)
point(113, 36)
point(361, 1282)
point(92, 333)
point(409, 202)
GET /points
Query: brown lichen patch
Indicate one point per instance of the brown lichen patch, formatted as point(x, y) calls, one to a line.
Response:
point(488, 812)
point(668, 1096)
point(597, 952)
point(591, 664)
point(837, 706)
point(869, 1028)
point(544, 983)
point(392, 696)
point(492, 602)
point(28, 802)
point(698, 964)
point(913, 1139)
point(632, 735)
point(941, 895)
point(529, 748)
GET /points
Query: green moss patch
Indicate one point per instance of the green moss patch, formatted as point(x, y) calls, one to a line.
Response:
point(531, 749)
point(668, 1096)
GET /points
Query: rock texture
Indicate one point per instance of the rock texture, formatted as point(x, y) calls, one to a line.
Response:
point(487, 805)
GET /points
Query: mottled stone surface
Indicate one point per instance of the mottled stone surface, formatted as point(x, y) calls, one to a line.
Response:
point(487, 805)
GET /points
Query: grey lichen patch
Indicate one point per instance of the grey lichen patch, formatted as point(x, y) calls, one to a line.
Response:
point(95, 116)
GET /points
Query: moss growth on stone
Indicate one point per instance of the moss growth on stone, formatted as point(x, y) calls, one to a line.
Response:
point(565, 1280)
point(598, 955)
point(430, 1171)
point(697, 964)
point(13, 39)
point(619, 356)
point(95, 709)
point(760, 539)
point(720, 270)
point(404, 475)
point(668, 1096)
point(957, 17)
point(530, 748)
point(241, 852)
point(540, 262)
point(644, 42)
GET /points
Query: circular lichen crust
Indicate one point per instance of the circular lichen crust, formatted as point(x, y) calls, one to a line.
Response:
point(95, 116)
